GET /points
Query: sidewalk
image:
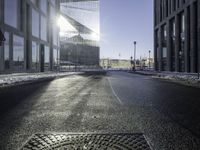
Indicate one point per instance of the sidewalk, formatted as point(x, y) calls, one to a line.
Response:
point(189, 79)
point(22, 78)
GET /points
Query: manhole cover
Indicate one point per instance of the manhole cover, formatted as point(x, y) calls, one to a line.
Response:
point(68, 141)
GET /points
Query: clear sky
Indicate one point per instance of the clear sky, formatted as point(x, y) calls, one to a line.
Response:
point(122, 22)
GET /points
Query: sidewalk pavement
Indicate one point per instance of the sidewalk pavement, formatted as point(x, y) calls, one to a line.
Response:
point(189, 79)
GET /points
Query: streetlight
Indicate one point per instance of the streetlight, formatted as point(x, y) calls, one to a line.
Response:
point(135, 54)
point(149, 58)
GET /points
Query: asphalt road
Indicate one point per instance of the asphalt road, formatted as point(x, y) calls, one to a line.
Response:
point(167, 113)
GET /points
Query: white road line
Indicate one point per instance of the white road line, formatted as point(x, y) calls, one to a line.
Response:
point(114, 92)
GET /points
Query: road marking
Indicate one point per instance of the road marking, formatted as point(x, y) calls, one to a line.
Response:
point(114, 92)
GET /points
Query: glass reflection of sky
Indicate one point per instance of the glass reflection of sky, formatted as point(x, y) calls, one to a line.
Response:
point(46, 54)
point(18, 48)
point(86, 13)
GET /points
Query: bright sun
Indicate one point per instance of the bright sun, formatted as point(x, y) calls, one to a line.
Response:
point(65, 26)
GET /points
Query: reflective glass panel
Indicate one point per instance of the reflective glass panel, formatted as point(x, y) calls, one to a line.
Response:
point(6, 50)
point(46, 58)
point(35, 55)
point(35, 23)
point(35, 1)
point(18, 52)
point(10, 12)
point(55, 56)
point(43, 6)
point(43, 31)
point(53, 2)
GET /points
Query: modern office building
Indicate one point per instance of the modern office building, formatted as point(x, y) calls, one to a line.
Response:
point(31, 32)
point(177, 35)
point(79, 35)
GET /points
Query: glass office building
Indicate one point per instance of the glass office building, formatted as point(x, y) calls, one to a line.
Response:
point(79, 35)
point(177, 35)
point(32, 35)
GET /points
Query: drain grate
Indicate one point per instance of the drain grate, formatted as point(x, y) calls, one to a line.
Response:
point(82, 141)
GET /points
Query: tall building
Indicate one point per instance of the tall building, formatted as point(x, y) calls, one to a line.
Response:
point(79, 35)
point(177, 35)
point(31, 32)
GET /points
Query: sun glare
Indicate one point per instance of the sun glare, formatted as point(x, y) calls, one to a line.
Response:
point(95, 36)
point(65, 26)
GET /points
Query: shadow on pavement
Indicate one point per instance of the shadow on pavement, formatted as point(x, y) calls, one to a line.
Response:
point(12, 96)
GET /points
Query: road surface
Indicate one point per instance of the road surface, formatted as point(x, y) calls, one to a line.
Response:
point(165, 112)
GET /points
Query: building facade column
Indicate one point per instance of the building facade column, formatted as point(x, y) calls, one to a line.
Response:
point(169, 47)
point(159, 49)
point(187, 40)
point(193, 37)
point(1, 47)
point(198, 36)
point(155, 51)
point(177, 43)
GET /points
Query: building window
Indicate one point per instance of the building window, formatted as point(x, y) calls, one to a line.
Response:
point(54, 26)
point(173, 28)
point(43, 6)
point(35, 2)
point(35, 23)
point(52, 13)
point(166, 8)
point(55, 57)
point(182, 42)
point(164, 34)
point(10, 12)
point(174, 5)
point(35, 56)
point(53, 2)
point(18, 52)
point(182, 23)
point(46, 57)
point(164, 52)
point(43, 31)
point(55, 35)
point(172, 38)
point(6, 51)
point(164, 58)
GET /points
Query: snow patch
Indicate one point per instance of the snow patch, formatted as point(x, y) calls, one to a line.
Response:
point(17, 78)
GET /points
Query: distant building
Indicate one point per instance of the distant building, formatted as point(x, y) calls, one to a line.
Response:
point(31, 32)
point(80, 35)
point(115, 63)
point(125, 63)
point(177, 35)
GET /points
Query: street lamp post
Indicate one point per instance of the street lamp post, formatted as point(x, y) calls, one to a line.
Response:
point(149, 58)
point(135, 55)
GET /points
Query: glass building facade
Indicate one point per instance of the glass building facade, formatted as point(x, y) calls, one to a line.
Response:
point(32, 35)
point(79, 33)
point(176, 35)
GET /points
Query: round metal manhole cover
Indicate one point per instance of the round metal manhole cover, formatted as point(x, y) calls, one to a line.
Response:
point(135, 141)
